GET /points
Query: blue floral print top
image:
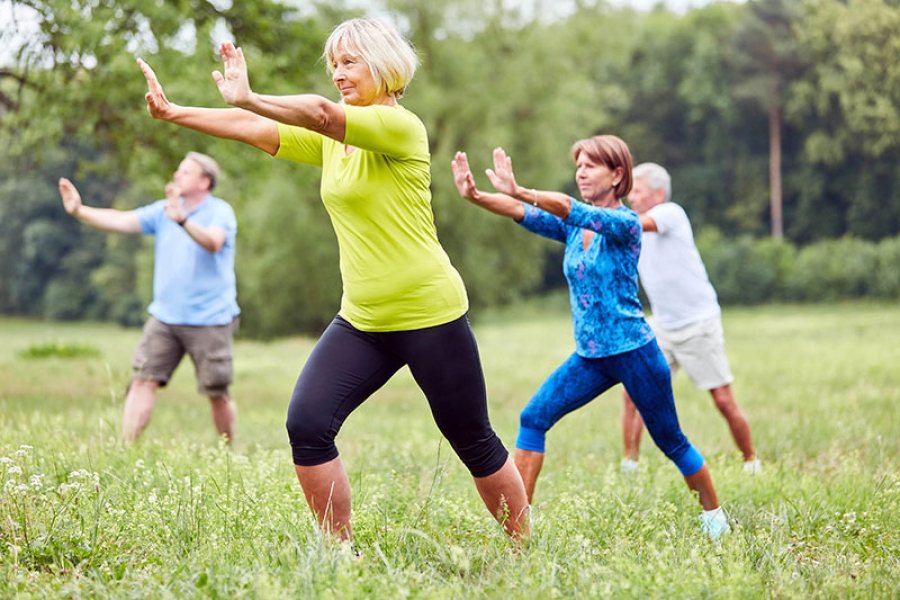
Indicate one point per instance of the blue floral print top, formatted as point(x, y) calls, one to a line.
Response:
point(603, 280)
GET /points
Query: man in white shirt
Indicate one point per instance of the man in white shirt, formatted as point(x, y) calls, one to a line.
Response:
point(686, 314)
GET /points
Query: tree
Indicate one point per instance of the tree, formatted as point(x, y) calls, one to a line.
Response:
point(72, 104)
point(853, 91)
point(766, 58)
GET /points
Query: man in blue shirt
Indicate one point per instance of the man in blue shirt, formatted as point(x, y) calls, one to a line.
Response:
point(194, 308)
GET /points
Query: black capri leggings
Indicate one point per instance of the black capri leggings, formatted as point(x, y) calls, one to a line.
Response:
point(347, 366)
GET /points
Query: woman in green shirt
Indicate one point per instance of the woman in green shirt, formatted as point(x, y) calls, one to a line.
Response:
point(403, 302)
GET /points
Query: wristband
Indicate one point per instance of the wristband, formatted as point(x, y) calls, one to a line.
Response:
point(182, 222)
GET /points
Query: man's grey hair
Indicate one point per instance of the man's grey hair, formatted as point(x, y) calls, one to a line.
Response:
point(209, 167)
point(656, 176)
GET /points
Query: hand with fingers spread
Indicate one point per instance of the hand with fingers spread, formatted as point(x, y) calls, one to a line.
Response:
point(234, 85)
point(501, 176)
point(158, 105)
point(70, 196)
point(462, 176)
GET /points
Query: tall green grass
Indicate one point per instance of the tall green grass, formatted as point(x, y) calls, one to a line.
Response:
point(179, 515)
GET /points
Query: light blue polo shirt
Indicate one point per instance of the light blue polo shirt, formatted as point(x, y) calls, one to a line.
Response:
point(192, 286)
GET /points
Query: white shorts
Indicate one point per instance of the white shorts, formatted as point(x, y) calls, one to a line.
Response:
point(699, 349)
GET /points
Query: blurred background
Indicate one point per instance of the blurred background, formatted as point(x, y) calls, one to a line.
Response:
point(778, 119)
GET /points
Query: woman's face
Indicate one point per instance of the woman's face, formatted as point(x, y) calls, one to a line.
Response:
point(596, 181)
point(354, 80)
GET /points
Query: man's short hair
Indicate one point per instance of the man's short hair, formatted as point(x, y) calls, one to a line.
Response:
point(209, 167)
point(657, 177)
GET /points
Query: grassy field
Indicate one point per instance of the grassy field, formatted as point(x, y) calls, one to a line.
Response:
point(180, 516)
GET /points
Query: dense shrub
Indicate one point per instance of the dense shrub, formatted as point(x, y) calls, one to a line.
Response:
point(741, 274)
point(835, 270)
point(751, 271)
point(886, 279)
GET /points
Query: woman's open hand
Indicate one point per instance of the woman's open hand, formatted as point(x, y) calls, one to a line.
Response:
point(234, 85)
point(462, 176)
point(501, 176)
point(158, 105)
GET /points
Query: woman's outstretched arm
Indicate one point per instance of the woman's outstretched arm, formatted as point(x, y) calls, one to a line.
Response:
point(227, 123)
point(309, 111)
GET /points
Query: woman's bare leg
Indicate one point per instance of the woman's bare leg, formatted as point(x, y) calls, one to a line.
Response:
point(327, 491)
point(504, 496)
point(701, 482)
point(529, 464)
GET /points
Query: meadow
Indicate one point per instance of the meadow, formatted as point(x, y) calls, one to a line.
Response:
point(180, 515)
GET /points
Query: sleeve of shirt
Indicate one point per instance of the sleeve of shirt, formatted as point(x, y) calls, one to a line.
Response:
point(299, 145)
point(225, 219)
point(545, 224)
point(389, 130)
point(619, 225)
point(229, 223)
point(148, 216)
point(667, 216)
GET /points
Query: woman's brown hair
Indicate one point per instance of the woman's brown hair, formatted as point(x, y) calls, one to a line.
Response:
point(611, 151)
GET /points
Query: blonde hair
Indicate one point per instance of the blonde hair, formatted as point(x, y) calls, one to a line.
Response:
point(391, 58)
point(208, 166)
point(611, 151)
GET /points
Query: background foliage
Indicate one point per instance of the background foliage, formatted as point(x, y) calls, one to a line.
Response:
point(698, 92)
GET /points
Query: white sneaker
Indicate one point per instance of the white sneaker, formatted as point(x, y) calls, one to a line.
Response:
point(714, 523)
point(752, 467)
point(629, 466)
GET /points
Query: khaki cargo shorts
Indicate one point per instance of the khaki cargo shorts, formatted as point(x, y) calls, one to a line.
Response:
point(699, 349)
point(163, 346)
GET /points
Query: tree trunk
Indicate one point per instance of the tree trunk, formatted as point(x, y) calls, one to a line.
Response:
point(775, 170)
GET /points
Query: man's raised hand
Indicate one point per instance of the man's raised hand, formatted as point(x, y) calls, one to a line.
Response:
point(70, 196)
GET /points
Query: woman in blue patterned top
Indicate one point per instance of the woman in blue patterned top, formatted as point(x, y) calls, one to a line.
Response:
point(613, 343)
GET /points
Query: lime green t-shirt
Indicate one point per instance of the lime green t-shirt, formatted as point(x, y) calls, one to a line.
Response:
point(396, 275)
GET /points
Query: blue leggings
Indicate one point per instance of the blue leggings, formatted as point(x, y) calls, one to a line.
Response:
point(348, 365)
point(646, 377)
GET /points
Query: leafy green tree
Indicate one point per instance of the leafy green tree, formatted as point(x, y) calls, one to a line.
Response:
point(73, 101)
point(848, 108)
point(854, 86)
point(767, 57)
point(727, 96)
